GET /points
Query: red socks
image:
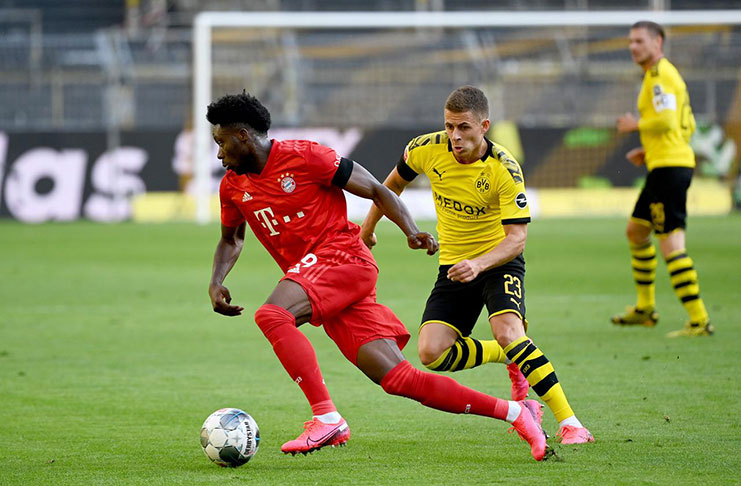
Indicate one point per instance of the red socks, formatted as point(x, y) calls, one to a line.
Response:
point(296, 354)
point(435, 391)
point(441, 392)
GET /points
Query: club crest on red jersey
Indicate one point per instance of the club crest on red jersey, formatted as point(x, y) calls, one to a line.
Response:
point(287, 183)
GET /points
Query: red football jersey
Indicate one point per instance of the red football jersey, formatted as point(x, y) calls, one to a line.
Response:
point(292, 206)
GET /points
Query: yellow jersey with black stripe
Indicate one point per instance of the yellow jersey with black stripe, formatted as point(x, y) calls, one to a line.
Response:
point(472, 201)
point(666, 122)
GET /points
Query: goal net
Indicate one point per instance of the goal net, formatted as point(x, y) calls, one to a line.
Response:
point(366, 82)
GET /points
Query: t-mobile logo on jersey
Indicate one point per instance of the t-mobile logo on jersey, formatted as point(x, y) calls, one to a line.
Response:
point(265, 217)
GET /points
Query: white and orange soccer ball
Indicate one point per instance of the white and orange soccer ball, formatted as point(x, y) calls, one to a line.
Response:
point(230, 437)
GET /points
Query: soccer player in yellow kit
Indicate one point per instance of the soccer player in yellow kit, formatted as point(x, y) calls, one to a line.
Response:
point(482, 215)
point(665, 125)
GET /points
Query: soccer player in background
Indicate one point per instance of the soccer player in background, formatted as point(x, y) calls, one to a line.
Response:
point(482, 216)
point(290, 194)
point(665, 125)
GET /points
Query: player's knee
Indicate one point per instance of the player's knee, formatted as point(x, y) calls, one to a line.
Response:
point(506, 335)
point(507, 327)
point(432, 346)
point(400, 380)
point(269, 316)
point(429, 354)
point(427, 360)
point(637, 234)
point(504, 339)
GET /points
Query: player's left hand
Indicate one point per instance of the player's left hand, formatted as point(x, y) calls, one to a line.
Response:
point(423, 241)
point(463, 271)
point(627, 123)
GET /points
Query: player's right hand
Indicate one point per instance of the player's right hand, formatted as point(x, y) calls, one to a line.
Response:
point(221, 301)
point(464, 271)
point(424, 241)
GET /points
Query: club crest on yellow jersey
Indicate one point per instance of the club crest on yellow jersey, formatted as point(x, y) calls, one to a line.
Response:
point(483, 185)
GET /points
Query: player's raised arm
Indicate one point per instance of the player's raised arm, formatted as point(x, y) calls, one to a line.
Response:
point(363, 184)
point(226, 254)
point(394, 182)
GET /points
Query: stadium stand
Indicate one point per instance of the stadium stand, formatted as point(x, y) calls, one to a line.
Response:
point(86, 68)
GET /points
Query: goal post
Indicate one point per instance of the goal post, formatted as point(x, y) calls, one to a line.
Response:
point(206, 22)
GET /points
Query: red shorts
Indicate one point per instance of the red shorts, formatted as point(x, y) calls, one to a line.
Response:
point(342, 291)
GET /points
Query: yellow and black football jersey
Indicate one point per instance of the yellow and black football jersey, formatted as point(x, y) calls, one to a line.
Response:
point(666, 122)
point(472, 201)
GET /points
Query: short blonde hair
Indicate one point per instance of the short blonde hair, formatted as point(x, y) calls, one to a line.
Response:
point(468, 98)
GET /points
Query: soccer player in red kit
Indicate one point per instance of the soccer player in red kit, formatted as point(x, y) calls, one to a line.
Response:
point(291, 194)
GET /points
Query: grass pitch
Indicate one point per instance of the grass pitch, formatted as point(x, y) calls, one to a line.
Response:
point(111, 358)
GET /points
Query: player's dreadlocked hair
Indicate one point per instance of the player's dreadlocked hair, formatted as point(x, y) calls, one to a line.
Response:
point(652, 27)
point(468, 98)
point(239, 109)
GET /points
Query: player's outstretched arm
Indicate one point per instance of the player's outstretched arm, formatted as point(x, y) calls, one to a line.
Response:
point(363, 184)
point(394, 182)
point(226, 254)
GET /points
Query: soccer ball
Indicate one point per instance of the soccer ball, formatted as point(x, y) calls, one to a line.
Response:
point(230, 437)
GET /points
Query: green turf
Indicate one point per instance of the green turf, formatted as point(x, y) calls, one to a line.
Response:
point(111, 358)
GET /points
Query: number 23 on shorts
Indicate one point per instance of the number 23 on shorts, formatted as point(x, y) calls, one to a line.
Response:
point(513, 286)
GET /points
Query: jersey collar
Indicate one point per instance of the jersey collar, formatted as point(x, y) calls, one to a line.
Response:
point(489, 150)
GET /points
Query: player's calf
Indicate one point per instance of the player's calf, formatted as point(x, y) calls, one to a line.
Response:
point(465, 353)
point(444, 393)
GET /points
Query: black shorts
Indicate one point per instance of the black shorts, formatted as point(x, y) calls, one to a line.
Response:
point(459, 304)
point(663, 199)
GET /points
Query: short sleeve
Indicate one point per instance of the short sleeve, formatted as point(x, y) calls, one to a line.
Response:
point(405, 171)
point(513, 202)
point(322, 162)
point(411, 160)
point(230, 215)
